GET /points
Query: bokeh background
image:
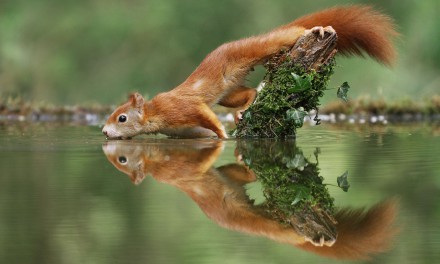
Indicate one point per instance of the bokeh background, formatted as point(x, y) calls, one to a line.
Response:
point(87, 51)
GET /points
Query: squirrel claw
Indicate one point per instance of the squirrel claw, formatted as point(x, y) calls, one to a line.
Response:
point(238, 116)
point(320, 30)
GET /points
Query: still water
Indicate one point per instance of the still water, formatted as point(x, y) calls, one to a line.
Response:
point(69, 196)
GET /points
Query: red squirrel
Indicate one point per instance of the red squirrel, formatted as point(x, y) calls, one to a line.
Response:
point(186, 111)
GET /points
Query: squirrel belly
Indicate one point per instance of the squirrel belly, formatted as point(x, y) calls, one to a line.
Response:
point(220, 77)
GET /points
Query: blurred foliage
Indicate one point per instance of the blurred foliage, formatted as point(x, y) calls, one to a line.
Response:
point(367, 106)
point(97, 51)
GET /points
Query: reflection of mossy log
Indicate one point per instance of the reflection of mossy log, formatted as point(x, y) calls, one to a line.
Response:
point(294, 191)
point(294, 82)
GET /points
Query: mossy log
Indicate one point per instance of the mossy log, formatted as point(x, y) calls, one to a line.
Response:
point(295, 80)
point(294, 191)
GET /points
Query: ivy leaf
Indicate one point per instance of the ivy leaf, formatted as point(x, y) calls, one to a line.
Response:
point(342, 91)
point(247, 115)
point(302, 194)
point(297, 116)
point(302, 84)
point(270, 107)
point(297, 162)
point(247, 161)
point(343, 182)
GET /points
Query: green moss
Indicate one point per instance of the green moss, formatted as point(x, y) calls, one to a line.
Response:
point(289, 93)
point(291, 183)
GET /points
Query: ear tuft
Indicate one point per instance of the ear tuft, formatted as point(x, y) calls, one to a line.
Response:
point(137, 100)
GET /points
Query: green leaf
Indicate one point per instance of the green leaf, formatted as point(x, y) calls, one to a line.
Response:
point(247, 161)
point(302, 194)
point(247, 115)
point(302, 84)
point(342, 91)
point(270, 107)
point(297, 116)
point(297, 162)
point(343, 182)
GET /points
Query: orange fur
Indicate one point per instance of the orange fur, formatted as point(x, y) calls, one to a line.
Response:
point(361, 233)
point(221, 195)
point(219, 79)
point(359, 28)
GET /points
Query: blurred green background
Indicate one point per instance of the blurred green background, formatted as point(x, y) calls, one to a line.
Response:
point(78, 52)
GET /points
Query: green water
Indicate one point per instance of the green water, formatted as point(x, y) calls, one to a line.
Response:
point(63, 201)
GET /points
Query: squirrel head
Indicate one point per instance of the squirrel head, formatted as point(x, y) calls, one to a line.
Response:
point(128, 157)
point(127, 120)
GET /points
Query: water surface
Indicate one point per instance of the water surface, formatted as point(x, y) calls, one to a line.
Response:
point(64, 199)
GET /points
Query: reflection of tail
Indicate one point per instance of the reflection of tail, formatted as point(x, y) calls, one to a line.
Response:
point(361, 233)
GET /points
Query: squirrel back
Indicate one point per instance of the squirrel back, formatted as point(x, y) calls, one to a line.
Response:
point(359, 28)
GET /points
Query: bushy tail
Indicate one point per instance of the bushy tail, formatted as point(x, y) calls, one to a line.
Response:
point(361, 233)
point(359, 28)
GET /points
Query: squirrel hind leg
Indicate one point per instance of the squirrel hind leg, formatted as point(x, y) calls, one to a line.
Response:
point(241, 97)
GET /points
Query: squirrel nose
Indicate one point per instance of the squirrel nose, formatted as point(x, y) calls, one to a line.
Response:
point(104, 132)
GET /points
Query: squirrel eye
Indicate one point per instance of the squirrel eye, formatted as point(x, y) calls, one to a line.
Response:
point(122, 118)
point(122, 159)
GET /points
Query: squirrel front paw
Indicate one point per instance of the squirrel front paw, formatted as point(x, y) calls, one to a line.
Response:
point(239, 116)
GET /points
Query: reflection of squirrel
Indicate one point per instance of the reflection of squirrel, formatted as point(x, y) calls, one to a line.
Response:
point(219, 79)
point(220, 193)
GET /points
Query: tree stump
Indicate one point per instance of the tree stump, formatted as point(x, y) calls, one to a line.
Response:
point(294, 192)
point(295, 80)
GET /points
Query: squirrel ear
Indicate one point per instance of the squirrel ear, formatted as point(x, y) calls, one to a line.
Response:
point(137, 100)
